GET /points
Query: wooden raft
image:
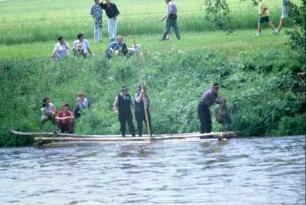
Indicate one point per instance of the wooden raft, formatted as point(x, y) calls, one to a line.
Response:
point(48, 137)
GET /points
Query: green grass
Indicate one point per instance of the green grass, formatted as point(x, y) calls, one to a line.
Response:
point(219, 41)
point(32, 20)
point(257, 74)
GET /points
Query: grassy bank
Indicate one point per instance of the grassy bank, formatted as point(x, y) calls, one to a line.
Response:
point(257, 74)
point(264, 97)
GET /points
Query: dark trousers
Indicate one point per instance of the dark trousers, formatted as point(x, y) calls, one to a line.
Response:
point(126, 118)
point(141, 117)
point(171, 23)
point(66, 127)
point(76, 112)
point(205, 118)
point(49, 116)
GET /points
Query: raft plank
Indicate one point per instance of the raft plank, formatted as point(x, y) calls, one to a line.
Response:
point(153, 138)
point(49, 137)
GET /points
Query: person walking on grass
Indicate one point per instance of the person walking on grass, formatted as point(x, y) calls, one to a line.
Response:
point(122, 108)
point(284, 15)
point(142, 100)
point(263, 13)
point(81, 46)
point(207, 99)
point(96, 12)
point(171, 20)
point(65, 119)
point(61, 49)
point(112, 13)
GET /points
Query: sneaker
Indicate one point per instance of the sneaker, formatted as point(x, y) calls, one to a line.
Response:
point(257, 34)
point(275, 32)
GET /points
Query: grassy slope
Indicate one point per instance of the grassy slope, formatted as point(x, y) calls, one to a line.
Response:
point(232, 44)
point(32, 20)
point(247, 67)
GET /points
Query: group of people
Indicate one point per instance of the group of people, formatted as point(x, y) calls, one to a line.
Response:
point(122, 107)
point(81, 47)
point(65, 117)
point(112, 13)
point(264, 17)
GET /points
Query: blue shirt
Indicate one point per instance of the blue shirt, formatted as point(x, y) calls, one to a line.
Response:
point(96, 11)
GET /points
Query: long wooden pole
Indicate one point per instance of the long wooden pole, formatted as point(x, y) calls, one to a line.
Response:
point(141, 83)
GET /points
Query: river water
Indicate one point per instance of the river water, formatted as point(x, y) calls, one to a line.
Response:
point(268, 170)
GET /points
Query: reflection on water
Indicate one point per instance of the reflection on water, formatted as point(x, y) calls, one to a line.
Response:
point(236, 171)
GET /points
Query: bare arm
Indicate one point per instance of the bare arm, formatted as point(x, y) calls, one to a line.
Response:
point(89, 51)
point(115, 106)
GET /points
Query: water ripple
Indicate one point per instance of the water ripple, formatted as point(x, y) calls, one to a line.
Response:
point(267, 170)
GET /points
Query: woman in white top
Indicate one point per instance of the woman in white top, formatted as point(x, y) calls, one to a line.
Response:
point(48, 111)
point(60, 49)
point(81, 46)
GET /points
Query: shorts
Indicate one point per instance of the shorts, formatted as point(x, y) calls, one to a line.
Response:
point(284, 12)
point(264, 19)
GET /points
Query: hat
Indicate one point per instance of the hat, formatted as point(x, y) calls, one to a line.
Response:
point(125, 87)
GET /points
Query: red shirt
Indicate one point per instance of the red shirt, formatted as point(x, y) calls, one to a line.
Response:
point(64, 114)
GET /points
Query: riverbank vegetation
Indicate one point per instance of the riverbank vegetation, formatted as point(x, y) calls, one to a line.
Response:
point(258, 76)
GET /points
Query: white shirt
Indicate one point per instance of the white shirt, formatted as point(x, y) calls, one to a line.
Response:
point(84, 45)
point(47, 110)
point(61, 50)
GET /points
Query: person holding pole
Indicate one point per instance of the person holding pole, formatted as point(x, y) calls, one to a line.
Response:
point(122, 107)
point(142, 110)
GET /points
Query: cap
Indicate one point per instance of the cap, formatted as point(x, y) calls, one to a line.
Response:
point(125, 87)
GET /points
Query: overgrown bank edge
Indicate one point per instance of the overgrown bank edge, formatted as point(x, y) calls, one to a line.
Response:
point(265, 96)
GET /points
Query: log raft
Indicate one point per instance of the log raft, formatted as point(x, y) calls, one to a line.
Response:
point(49, 137)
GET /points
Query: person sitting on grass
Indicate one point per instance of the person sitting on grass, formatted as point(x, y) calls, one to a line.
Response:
point(264, 17)
point(61, 49)
point(48, 111)
point(65, 119)
point(81, 46)
point(80, 105)
point(117, 47)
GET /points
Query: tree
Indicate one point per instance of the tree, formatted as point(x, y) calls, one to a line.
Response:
point(218, 12)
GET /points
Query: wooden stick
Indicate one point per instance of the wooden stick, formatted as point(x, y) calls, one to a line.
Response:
point(140, 81)
point(116, 139)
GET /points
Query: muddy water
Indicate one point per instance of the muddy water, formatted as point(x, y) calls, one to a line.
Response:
point(268, 170)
